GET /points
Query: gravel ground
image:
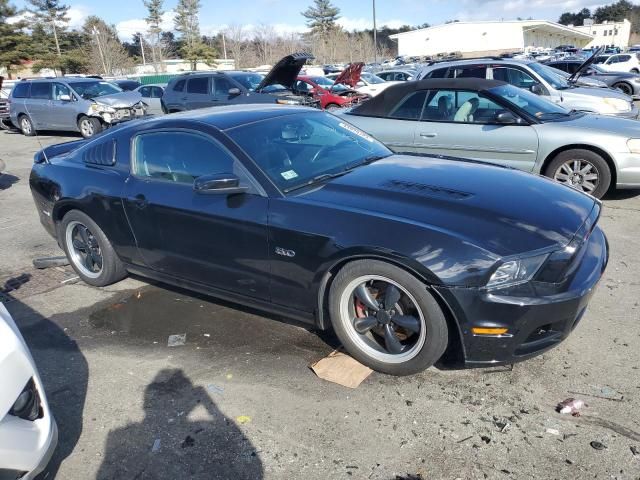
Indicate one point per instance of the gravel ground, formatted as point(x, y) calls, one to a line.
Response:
point(238, 400)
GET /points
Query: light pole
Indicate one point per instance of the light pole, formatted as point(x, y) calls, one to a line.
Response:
point(375, 35)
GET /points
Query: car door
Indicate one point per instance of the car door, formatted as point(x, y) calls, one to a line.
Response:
point(63, 108)
point(463, 124)
point(212, 239)
point(198, 94)
point(38, 105)
point(220, 87)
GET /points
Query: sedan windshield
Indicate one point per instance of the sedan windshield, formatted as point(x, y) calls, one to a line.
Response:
point(551, 77)
point(306, 148)
point(371, 78)
point(88, 90)
point(534, 105)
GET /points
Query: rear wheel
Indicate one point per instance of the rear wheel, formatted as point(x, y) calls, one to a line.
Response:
point(624, 87)
point(386, 318)
point(635, 70)
point(26, 126)
point(332, 107)
point(89, 126)
point(89, 251)
point(581, 169)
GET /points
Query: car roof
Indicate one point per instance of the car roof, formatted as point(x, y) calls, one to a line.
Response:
point(389, 97)
point(482, 60)
point(64, 79)
point(231, 116)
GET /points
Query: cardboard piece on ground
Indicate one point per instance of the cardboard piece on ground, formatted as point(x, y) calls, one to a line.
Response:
point(340, 368)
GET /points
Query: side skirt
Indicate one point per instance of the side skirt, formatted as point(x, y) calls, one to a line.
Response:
point(299, 315)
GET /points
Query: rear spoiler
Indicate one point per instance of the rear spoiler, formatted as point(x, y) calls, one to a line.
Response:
point(46, 153)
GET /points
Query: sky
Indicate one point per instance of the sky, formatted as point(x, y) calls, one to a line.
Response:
point(284, 15)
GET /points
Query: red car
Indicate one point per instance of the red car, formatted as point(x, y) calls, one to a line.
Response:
point(332, 95)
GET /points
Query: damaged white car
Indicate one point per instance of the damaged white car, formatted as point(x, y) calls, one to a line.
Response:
point(28, 432)
point(84, 105)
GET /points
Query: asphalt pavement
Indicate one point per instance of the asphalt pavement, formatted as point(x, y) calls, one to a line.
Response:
point(238, 400)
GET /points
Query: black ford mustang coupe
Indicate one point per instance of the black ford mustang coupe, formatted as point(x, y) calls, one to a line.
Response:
point(298, 212)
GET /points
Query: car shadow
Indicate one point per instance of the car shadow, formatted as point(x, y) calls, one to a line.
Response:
point(7, 180)
point(64, 372)
point(183, 435)
point(621, 194)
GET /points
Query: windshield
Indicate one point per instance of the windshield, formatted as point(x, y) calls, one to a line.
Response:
point(551, 77)
point(88, 90)
point(324, 82)
point(534, 105)
point(371, 78)
point(306, 148)
point(250, 81)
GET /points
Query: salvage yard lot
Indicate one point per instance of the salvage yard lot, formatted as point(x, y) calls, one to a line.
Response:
point(238, 400)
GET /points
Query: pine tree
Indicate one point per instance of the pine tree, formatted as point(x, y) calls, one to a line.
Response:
point(154, 19)
point(52, 15)
point(14, 43)
point(186, 22)
point(321, 17)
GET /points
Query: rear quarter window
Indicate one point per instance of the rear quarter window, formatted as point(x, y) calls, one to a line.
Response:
point(101, 153)
point(179, 86)
point(21, 90)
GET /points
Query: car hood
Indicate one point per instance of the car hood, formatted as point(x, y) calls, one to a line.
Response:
point(350, 75)
point(621, 127)
point(119, 100)
point(501, 210)
point(286, 71)
point(594, 92)
point(586, 63)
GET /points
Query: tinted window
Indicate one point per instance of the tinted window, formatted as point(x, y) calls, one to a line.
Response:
point(475, 71)
point(624, 58)
point(410, 108)
point(156, 92)
point(198, 85)
point(179, 156)
point(514, 77)
point(145, 92)
point(179, 86)
point(572, 67)
point(439, 73)
point(303, 87)
point(221, 86)
point(384, 76)
point(21, 90)
point(41, 90)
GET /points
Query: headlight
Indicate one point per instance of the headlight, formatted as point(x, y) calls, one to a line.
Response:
point(618, 104)
point(636, 80)
point(634, 145)
point(516, 271)
point(284, 101)
point(99, 108)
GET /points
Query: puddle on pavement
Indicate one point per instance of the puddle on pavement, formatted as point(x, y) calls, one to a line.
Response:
point(153, 314)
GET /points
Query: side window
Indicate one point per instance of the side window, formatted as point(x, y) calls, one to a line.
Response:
point(571, 67)
point(179, 157)
point(624, 58)
point(515, 77)
point(156, 92)
point(198, 85)
point(302, 87)
point(614, 59)
point(21, 90)
point(383, 76)
point(221, 86)
point(179, 86)
point(460, 107)
point(439, 73)
point(474, 71)
point(145, 92)
point(410, 108)
point(41, 90)
point(59, 89)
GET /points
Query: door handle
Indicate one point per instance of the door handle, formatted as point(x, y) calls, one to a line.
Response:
point(429, 135)
point(140, 201)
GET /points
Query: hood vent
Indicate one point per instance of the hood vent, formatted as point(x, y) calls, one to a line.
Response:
point(423, 189)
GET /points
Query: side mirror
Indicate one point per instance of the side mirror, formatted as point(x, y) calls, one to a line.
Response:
point(64, 98)
point(234, 92)
point(537, 89)
point(507, 118)
point(220, 183)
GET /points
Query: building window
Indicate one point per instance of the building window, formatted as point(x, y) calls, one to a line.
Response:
point(594, 32)
point(610, 32)
point(605, 33)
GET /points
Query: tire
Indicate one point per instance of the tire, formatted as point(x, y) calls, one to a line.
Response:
point(89, 126)
point(420, 346)
point(332, 107)
point(26, 126)
point(624, 87)
point(571, 176)
point(111, 270)
point(635, 70)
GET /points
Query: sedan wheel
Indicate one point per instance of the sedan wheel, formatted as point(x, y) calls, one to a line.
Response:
point(579, 174)
point(386, 318)
point(584, 170)
point(84, 250)
point(624, 88)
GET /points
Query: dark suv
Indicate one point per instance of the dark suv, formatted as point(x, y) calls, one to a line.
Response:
point(207, 89)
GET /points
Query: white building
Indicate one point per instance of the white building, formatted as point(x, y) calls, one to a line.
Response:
point(607, 33)
point(488, 38)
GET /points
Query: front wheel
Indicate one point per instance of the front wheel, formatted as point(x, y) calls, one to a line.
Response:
point(624, 88)
point(89, 250)
point(581, 169)
point(386, 318)
point(89, 126)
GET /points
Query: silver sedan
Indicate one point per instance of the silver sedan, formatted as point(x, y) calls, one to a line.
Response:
point(496, 122)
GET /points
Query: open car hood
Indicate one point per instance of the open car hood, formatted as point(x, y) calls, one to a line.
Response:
point(587, 62)
point(351, 75)
point(286, 71)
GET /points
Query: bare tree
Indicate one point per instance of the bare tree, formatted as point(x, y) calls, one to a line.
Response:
point(236, 38)
point(105, 52)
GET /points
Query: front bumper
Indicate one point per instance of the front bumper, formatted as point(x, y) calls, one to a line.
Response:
point(535, 323)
